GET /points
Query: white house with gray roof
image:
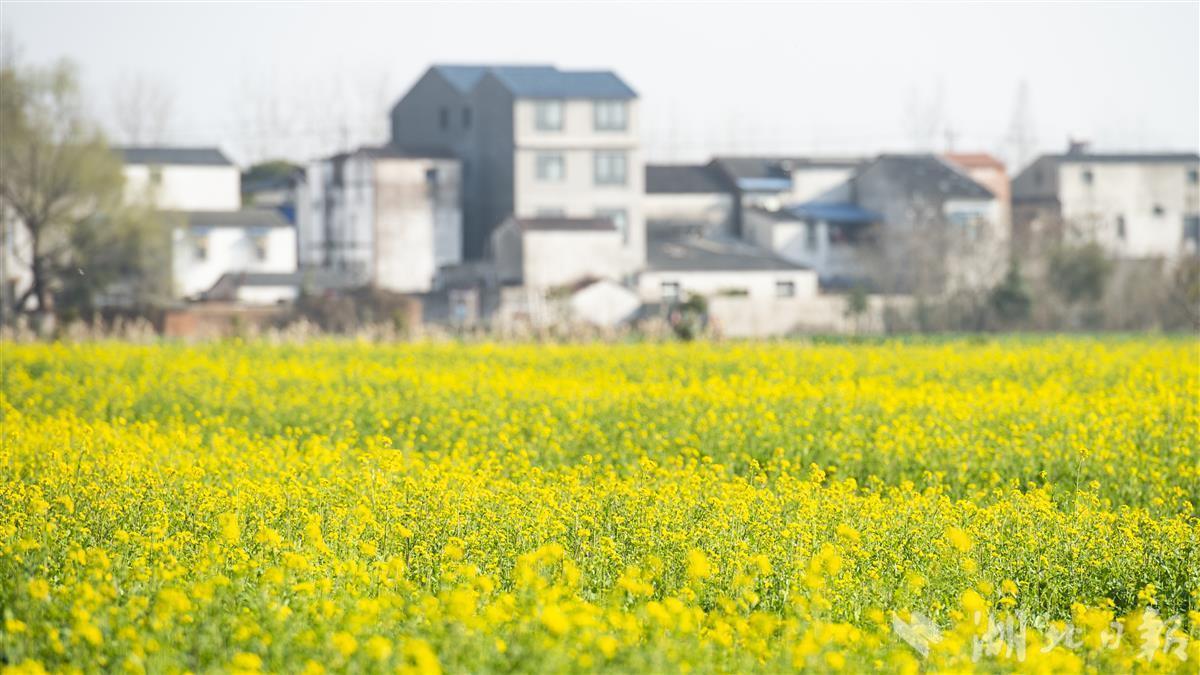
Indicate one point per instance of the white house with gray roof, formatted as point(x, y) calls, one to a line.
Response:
point(688, 195)
point(535, 141)
point(199, 192)
point(1136, 205)
point(182, 179)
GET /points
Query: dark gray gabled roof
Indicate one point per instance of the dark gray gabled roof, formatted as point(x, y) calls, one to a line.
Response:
point(1129, 157)
point(550, 224)
point(711, 254)
point(461, 77)
point(227, 285)
point(683, 179)
point(176, 156)
point(930, 174)
point(549, 81)
point(242, 218)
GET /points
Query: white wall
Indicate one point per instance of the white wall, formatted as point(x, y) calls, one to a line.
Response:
point(751, 317)
point(578, 127)
point(185, 187)
point(712, 209)
point(604, 303)
point(418, 225)
point(757, 284)
point(578, 195)
point(386, 223)
point(266, 295)
point(819, 184)
point(1131, 190)
point(556, 257)
point(230, 249)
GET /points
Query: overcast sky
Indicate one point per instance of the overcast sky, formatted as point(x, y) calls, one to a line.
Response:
point(304, 79)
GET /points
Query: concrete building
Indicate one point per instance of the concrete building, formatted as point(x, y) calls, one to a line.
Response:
point(689, 196)
point(898, 223)
point(941, 230)
point(750, 292)
point(181, 179)
point(719, 266)
point(834, 240)
point(208, 245)
point(386, 217)
point(773, 182)
point(1136, 205)
point(535, 141)
point(540, 254)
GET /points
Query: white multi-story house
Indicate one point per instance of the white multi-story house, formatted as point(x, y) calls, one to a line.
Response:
point(383, 217)
point(1136, 205)
point(535, 141)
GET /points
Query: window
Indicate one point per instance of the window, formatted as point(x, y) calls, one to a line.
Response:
point(199, 237)
point(1121, 228)
point(466, 118)
point(1193, 176)
point(610, 167)
point(785, 289)
point(670, 291)
point(258, 241)
point(1191, 230)
point(620, 220)
point(1088, 177)
point(610, 116)
point(548, 115)
point(444, 118)
point(1159, 210)
point(551, 167)
point(156, 175)
point(431, 177)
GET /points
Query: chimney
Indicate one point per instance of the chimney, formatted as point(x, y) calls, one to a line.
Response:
point(1077, 147)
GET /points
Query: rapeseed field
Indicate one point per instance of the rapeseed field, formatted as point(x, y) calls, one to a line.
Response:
point(946, 506)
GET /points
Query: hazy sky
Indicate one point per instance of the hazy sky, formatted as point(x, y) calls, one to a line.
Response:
point(713, 78)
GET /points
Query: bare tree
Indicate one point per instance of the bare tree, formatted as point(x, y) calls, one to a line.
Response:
point(1021, 140)
point(141, 109)
point(924, 117)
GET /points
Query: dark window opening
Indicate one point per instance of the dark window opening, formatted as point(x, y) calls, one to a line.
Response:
point(1121, 227)
point(1159, 210)
point(1088, 177)
point(466, 118)
point(444, 118)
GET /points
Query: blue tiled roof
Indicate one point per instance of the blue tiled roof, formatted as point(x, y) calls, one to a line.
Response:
point(834, 213)
point(541, 81)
